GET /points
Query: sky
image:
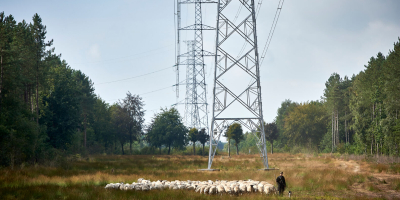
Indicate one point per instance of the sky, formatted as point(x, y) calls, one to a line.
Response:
point(121, 39)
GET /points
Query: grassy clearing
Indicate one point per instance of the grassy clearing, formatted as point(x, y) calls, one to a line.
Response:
point(307, 177)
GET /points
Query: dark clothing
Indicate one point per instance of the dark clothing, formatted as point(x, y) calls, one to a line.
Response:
point(280, 190)
point(281, 184)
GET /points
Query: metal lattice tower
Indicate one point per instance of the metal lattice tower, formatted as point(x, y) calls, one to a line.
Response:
point(235, 99)
point(191, 112)
point(195, 100)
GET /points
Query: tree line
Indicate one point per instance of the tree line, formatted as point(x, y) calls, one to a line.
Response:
point(358, 114)
point(48, 109)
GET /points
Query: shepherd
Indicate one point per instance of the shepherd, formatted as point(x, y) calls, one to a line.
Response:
point(281, 183)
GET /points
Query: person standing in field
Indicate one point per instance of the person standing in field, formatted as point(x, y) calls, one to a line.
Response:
point(281, 183)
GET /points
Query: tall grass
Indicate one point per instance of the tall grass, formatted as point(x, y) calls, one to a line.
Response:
point(84, 178)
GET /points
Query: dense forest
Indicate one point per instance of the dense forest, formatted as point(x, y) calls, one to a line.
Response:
point(49, 111)
point(357, 115)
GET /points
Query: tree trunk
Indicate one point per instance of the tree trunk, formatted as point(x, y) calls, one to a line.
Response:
point(333, 134)
point(84, 126)
point(194, 149)
point(37, 92)
point(237, 149)
point(372, 113)
point(169, 149)
point(272, 147)
point(202, 153)
point(130, 143)
point(345, 125)
point(229, 147)
point(337, 127)
point(371, 144)
point(1, 77)
point(122, 148)
point(31, 101)
point(377, 149)
point(160, 149)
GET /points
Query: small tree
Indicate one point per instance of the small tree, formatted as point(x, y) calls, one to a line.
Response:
point(193, 132)
point(271, 133)
point(234, 132)
point(202, 137)
point(228, 137)
point(120, 120)
point(133, 105)
point(167, 129)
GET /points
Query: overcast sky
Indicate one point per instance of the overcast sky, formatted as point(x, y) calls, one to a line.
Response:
point(114, 40)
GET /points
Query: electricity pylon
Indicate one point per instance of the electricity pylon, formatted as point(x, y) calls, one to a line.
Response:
point(235, 99)
point(196, 115)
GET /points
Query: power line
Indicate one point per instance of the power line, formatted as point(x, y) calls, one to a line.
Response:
point(125, 56)
point(272, 30)
point(175, 26)
point(258, 8)
point(157, 90)
point(136, 76)
point(147, 92)
point(237, 15)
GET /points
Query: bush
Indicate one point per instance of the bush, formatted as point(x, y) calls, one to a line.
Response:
point(149, 151)
point(341, 148)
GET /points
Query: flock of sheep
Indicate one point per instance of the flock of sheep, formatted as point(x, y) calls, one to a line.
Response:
point(203, 187)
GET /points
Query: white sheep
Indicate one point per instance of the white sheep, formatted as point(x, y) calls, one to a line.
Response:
point(269, 189)
point(236, 190)
point(110, 186)
point(205, 187)
point(249, 188)
point(190, 187)
point(138, 187)
point(202, 189)
point(220, 189)
point(228, 189)
point(260, 188)
point(212, 190)
point(242, 188)
point(145, 187)
point(197, 189)
point(205, 191)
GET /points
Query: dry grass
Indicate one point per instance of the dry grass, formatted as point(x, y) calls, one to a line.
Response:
point(308, 177)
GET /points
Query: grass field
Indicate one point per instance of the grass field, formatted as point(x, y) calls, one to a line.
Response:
point(308, 177)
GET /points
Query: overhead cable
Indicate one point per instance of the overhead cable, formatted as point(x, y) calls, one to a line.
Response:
point(148, 92)
point(125, 56)
point(272, 30)
point(136, 76)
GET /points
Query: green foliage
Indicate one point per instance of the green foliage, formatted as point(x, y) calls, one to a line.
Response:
point(305, 124)
point(192, 136)
point(249, 142)
point(283, 111)
point(49, 110)
point(235, 133)
point(61, 115)
point(356, 115)
point(167, 129)
point(203, 137)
